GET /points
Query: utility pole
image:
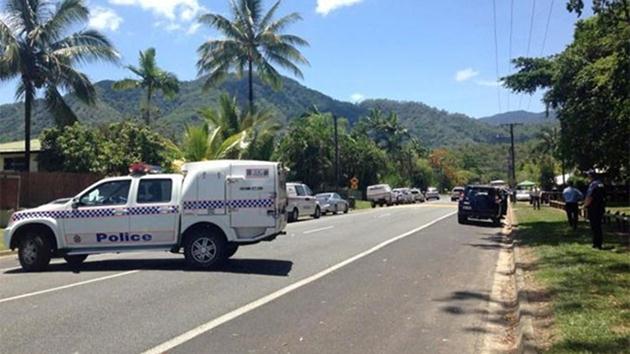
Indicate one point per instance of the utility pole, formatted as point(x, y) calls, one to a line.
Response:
point(512, 154)
point(336, 154)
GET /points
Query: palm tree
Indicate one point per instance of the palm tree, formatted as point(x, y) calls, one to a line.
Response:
point(152, 79)
point(233, 121)
point(205, 143)
point(252, 40)
point(35, 49)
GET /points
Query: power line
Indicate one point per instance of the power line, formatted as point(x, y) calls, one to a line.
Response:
point(496, 52)
point(510, 50)
point(529, 41)
point(544, 42)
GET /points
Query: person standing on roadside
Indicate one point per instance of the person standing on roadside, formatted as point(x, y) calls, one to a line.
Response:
point(595, 204)
point(572, 196)
point(535, 195)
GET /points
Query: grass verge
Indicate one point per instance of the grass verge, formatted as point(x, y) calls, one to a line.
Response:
point(589, 289)
point(2, 248)
point(362, 204)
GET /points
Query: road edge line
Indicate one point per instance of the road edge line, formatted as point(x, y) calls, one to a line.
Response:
point(199, 330)
point(63, 287)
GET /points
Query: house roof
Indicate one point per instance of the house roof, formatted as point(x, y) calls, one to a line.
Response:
point(18, 146)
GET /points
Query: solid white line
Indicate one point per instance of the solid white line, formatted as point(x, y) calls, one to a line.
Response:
point(384, 215)
point(195, 332)
point(318, 230)
point(18, 297)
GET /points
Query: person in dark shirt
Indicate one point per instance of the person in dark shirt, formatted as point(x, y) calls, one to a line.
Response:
point(595, 203)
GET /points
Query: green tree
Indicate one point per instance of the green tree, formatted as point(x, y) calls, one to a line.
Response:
point(107, 150)
point(151, 79)
point(252, 40)
point(588, 87)
point(35, 49)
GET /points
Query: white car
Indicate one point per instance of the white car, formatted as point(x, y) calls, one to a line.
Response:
point(380, 194)
point(301, 202)
point(523, 195)
point(432, 193)
point(208, 211)
point(404, 196)
point(418, 196)
point(332, 203)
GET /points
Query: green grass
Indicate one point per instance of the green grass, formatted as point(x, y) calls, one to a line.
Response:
point(621, 210)
point(589, 289)
point(2, 240)
point(362, 204)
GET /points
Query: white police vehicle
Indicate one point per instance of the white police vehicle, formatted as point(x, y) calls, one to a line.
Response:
point(209, 210)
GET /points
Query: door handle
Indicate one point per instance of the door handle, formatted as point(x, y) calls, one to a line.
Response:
point(120, 212)
point(166, 210)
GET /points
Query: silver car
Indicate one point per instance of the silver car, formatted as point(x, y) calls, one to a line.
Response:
point(432, 193)
point(418, 196)
point(332, 203)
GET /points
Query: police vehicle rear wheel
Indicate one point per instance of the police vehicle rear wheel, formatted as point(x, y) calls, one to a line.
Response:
point(74, 261)
point(34, 252)
point(231, 250)
point(205, 249)
point(346, 209)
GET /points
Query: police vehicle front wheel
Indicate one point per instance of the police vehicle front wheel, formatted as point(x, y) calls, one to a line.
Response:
point(205, 249)
point(34, 252)
point(75, 261)
point(318, 213)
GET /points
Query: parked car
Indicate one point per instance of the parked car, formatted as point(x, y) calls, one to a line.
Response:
point(418, 196)
point(456, 193)
point(432, 193)
point(480, 202)
point(523, 195)
point(404, 196)
point(207, 218)
point(332, 203)
point(301, 202)
point(380, 194)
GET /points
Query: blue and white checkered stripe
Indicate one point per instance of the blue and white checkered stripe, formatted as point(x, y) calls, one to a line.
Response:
point(91, 213)
point(217, 204)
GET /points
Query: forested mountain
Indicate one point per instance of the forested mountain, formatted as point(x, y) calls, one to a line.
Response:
point(432, 126)
point(522, 117)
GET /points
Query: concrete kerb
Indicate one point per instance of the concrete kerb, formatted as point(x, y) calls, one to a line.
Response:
point(509, 328)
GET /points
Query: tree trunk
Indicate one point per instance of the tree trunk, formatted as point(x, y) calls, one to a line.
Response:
point(28, 103)
point(251, 87)
point(147, 116)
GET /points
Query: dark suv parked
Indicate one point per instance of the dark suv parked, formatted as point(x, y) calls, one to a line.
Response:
point(481, 202)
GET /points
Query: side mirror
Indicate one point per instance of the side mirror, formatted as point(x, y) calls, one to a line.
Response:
point(75, 203)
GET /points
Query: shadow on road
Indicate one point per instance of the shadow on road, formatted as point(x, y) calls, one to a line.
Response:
point(279, 268)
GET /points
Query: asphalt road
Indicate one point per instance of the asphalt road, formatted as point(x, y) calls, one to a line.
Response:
point(388, 280)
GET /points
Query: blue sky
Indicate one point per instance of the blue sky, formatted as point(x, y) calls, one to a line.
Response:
point(438, 52)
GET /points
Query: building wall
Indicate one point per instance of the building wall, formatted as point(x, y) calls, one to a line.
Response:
point(34, 165)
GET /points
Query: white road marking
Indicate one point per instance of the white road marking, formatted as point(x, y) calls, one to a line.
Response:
point(318, 230)
point(18, 297)
point(195, 332)
point(384, 215)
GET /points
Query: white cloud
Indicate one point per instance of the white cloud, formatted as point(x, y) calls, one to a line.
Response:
point(102, 18)
point(193, 28)
point(172, 15)
point(326, 6)
point(184, 10)
point(465, 74)
point(488, 83)
point(357, 98)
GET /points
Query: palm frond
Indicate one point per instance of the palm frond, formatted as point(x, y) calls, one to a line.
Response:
point(264, 23)
point(223, 25)
point(282, 23)
point(66, 14)
point(62, 113)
